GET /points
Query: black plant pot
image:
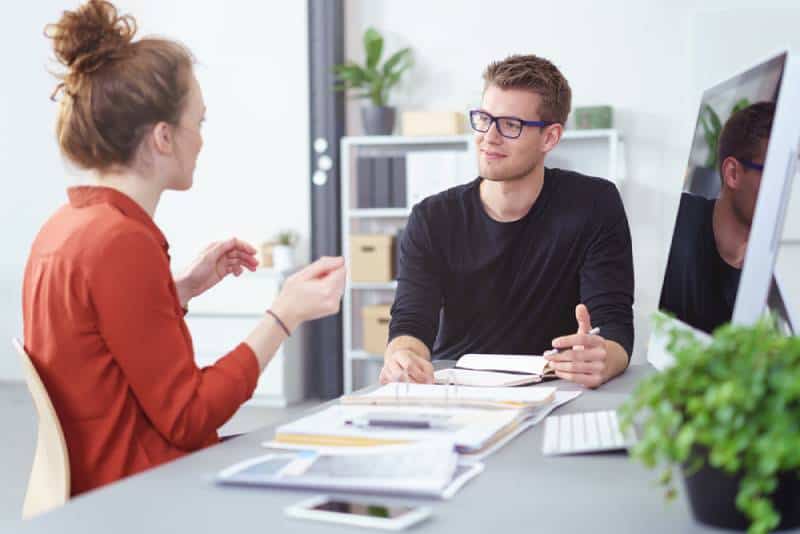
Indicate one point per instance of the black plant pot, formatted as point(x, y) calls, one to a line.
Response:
point(378, 120)
point(712, 497)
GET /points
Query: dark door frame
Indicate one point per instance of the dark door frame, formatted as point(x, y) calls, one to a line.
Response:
point(327, 127)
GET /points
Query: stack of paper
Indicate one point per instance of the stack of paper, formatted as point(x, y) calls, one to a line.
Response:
point(476, 418)
point(503, 398)
point(468, 429)
point(429, 469)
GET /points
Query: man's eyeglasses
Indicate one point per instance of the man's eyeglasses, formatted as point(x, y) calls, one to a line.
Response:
point(753, 166)
point(509, 127)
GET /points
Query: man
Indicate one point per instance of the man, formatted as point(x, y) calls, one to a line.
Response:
point(513, 259)
point(710, 239)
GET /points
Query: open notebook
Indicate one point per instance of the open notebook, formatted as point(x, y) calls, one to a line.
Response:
point(495, 370)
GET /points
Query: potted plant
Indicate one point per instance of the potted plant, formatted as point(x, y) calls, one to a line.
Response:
point(374, 81)
point(728, 415)
point(282, 248)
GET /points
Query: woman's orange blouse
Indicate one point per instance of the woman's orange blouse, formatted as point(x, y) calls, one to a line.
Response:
point(105, 330)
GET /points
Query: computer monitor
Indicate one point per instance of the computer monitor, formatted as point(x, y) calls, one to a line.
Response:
point(730, 217)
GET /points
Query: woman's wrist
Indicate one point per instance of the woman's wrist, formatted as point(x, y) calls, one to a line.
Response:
point(184, 295)
point(284, 315)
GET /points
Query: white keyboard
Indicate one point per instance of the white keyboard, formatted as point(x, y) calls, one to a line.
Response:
point(584, 432)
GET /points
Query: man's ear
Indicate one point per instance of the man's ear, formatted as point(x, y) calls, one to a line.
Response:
point(162, 138)
point(551, 137)
point(731, 171)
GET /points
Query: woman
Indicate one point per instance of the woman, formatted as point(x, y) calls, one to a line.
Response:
point(103, 316)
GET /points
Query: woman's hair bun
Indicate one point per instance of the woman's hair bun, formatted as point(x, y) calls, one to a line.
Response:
point(87, 38)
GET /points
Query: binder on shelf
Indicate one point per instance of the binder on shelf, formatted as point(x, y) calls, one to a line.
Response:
point(399, 199)
point(382, 179)
point(398, 238)
point(365, 182)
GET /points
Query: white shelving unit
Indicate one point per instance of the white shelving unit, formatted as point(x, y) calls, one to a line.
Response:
point(593, 152)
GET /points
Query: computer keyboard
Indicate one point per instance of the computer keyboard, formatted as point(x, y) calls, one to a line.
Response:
point(584, 432)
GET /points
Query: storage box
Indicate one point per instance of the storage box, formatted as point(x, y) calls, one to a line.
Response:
point(593, 117)
point(433, 123)
point(376, 328)
point(371, 258)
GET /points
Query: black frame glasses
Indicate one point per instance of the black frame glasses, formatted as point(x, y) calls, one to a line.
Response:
point(474, 114)
point(753, 166)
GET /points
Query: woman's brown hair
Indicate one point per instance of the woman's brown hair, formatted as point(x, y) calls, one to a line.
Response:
point(114, 88)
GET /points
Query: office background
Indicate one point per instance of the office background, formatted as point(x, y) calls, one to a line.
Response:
point(650, 60)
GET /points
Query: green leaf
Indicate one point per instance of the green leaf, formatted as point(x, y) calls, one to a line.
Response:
point(714, 118)
point(740, 105)
point(373, 45)
point(396, 60)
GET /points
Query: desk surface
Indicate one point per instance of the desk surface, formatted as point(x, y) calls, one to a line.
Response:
point(520, 491)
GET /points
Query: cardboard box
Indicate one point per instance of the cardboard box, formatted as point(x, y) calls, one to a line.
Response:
point(371, 258)
point(376, 328)
point(433, 123)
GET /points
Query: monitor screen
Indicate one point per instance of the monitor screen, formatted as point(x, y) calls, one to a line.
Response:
point(718, 199)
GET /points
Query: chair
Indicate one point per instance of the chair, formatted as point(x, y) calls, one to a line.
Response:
point(49, 483)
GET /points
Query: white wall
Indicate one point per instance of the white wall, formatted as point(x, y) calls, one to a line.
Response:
point(252, 175)
point(649, 59)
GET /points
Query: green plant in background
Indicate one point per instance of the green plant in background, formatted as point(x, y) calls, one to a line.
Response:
point(373, 79)
point(712, 127)
point(287, 238)
point(738, 398)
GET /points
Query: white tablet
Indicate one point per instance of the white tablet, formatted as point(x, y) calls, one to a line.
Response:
point(359, 513)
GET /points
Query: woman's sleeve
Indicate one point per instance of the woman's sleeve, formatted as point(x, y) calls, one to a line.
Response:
point(141, 321)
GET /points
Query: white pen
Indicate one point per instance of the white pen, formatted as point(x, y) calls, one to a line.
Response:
point(593, 332)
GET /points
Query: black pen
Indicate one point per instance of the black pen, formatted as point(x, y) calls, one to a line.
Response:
point(393, 423)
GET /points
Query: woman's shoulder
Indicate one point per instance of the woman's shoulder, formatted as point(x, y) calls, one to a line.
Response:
point(93, 235)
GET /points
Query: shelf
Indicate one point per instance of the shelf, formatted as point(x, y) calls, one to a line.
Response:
point(399, 140)
point(373, 140)
point(590, 134)
point(374, 285)
point(363, 355)
point(380, 213)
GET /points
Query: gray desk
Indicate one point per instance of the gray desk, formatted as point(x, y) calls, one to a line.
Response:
point(520, 491)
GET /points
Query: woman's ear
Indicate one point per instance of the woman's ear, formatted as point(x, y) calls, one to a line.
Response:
point(163, 139)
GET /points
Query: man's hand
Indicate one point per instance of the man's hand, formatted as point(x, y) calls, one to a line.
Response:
point(586, 360)
point(216, 262)
point(401, 363)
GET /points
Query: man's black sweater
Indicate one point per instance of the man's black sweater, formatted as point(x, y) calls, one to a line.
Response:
point(470, 284)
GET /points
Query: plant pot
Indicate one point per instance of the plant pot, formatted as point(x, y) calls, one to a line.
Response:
point(282, 259)
point(705, 182)
point(712, 497)
point(378, 120)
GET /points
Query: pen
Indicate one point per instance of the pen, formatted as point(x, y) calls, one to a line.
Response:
point(393, 423)
point(593, 332)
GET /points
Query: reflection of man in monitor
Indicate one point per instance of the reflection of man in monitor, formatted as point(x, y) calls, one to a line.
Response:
point(710, 239)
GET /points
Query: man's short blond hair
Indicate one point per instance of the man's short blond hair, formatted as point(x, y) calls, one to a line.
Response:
point(534, 74)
